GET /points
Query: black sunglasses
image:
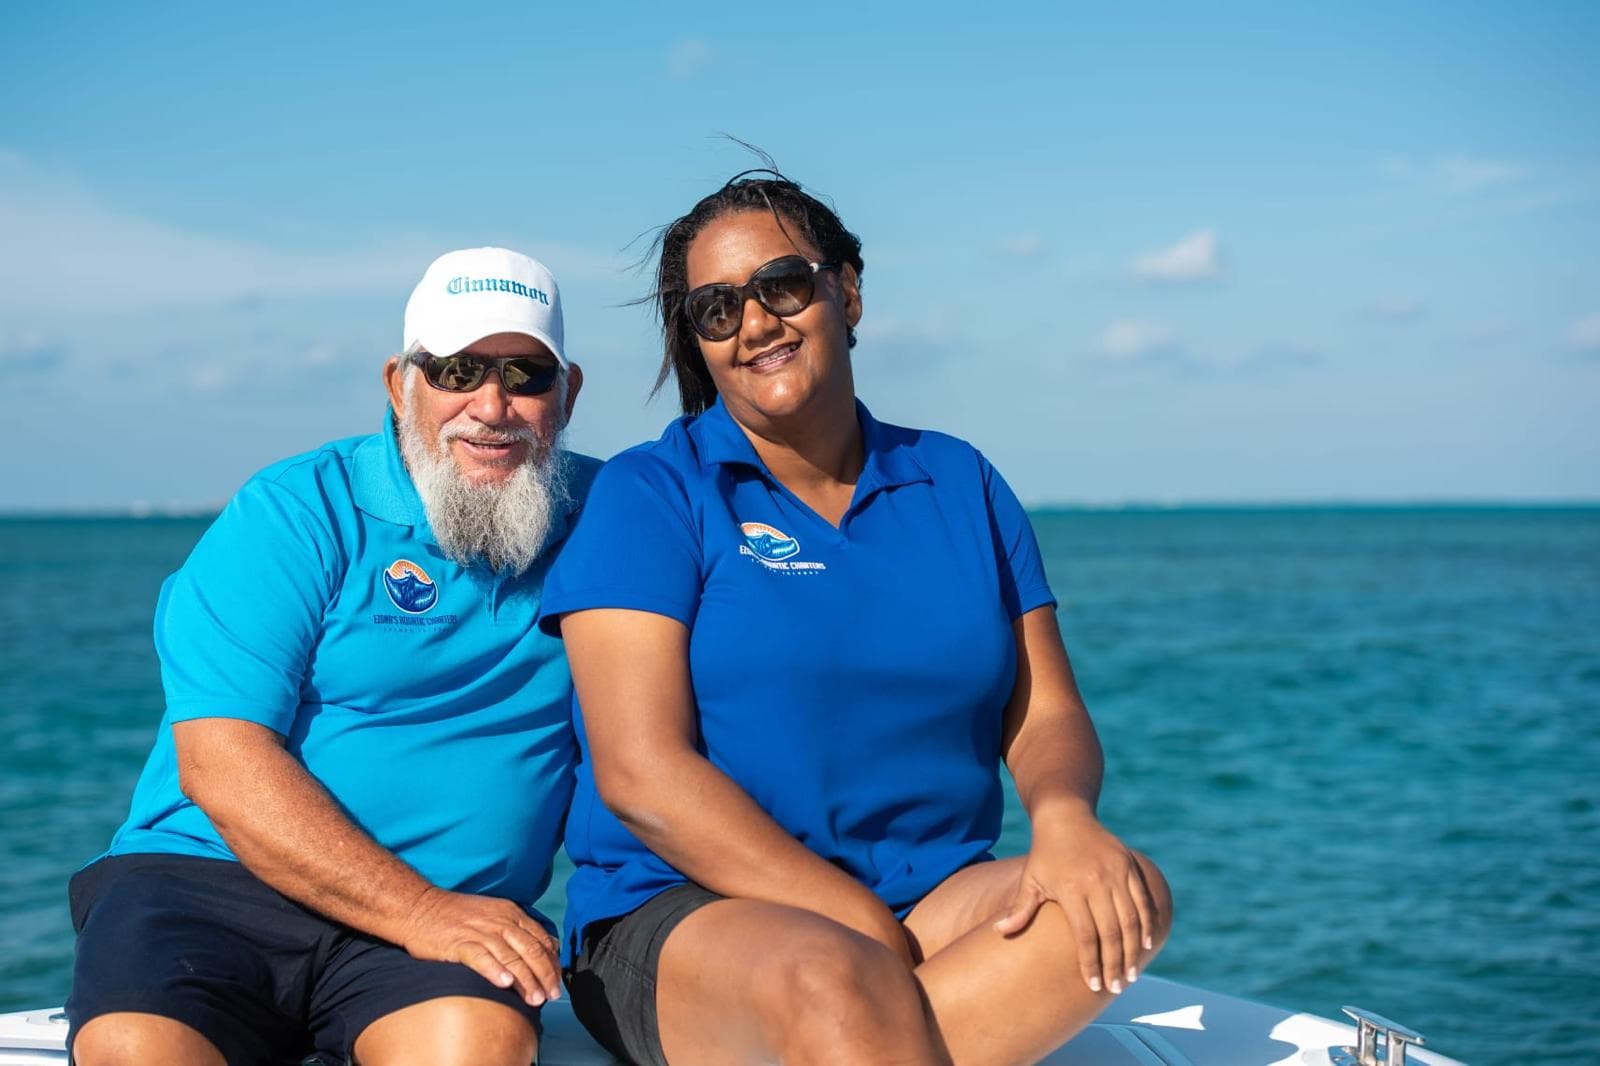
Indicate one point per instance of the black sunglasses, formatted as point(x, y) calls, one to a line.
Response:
point(520, 375)
point(784, 286)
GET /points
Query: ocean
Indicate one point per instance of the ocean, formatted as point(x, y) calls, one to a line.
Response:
point(1363, 744)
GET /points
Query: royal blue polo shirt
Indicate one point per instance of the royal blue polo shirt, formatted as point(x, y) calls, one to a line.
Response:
point(851, 680)
point(418, 691)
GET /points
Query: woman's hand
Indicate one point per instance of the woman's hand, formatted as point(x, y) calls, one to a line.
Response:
point(1076, 863)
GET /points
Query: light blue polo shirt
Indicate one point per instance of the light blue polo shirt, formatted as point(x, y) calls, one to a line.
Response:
point(850, 680)
point(419, 692)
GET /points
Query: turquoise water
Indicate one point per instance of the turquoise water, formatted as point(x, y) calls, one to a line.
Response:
point(1362, 743)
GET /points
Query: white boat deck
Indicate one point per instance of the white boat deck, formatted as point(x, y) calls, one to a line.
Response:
point(1155, 1023)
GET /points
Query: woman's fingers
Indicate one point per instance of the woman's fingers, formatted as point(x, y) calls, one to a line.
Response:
point(1110, 911)
point(1146, 907)
point(1132, 934)
point(1108, 931)
point(1087, 937)
point(1023, 907)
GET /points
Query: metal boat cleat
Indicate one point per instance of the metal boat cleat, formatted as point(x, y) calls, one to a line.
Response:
point(1368, 1051)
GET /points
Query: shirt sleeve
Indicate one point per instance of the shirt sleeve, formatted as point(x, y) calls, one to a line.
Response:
point(635, 546)
point(236, 625)
point(1023, 586)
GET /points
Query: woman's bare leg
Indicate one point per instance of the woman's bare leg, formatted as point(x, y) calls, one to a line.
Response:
point(998, 999)
point(742, 981)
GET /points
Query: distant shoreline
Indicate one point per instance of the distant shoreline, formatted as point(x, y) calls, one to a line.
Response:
point(1084, 507)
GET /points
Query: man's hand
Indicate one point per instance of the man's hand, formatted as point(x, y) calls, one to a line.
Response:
point(492, 936)
point(288, 831)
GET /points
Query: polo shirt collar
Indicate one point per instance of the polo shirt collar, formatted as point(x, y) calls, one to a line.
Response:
point(890, 461)
point(381, 484)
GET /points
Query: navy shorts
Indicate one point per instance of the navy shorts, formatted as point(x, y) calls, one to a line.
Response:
point(205, 942)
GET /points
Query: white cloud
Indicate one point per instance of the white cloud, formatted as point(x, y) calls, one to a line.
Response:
point(1399, 167)
point(66, 249)
point(1282, 354)
point(1455, 173)
point(1488, 331)
point(889, 328)
point(210, 379)
point(1396, 309)
point(1023, 246)
point(928, 339)
point(688, 58)
point(1465, 174)
point(1584, 334)
point(1196, 257)
point(1128, 338)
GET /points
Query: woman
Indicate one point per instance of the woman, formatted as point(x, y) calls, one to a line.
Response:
point(801, 640)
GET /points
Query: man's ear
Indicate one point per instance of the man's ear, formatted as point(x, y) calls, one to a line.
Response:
point(574, 383)
point(394, 375)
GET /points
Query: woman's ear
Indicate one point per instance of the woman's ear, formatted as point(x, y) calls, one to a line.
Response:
point(850, 288)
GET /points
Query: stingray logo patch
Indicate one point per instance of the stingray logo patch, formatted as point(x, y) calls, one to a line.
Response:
point(768, 543)
point(409, 587)
point(774, 549)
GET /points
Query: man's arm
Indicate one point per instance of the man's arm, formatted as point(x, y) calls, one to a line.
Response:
point(287, 830)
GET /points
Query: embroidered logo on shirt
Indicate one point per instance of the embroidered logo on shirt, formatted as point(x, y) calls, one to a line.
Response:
point(409, 587)
point(768, 543)
point(774, 549)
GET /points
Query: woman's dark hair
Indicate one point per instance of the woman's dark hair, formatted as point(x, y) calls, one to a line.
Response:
point(800, 214)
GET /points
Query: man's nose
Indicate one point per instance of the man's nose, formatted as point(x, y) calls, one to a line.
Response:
point(489, 402)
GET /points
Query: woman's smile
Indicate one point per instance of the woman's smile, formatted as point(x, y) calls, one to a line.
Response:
point(772, 358)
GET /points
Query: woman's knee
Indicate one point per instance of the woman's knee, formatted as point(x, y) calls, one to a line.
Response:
point(1160, 897)
point(841, 978)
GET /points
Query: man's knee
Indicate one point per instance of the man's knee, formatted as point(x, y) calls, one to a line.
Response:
point(130, 1039)
point(450, 1031)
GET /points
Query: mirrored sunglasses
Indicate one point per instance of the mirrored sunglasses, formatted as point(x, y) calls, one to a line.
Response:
point(520, 375)
point(784, 287)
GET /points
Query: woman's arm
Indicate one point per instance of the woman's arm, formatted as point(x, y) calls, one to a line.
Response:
point(631, 672)
point(1054, 756)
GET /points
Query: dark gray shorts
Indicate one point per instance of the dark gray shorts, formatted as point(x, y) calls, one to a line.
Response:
point(206, 942)
point(612, 982)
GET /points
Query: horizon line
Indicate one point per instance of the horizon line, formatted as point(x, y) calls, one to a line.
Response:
point(139, 511)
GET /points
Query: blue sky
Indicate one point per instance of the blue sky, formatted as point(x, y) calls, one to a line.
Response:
point(1133, 252)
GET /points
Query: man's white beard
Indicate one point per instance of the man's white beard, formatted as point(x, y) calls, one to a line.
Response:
point(502, 526)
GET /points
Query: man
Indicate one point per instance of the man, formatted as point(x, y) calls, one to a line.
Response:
point(361, 776)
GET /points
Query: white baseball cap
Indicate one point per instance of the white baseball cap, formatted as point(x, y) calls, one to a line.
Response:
point(468, 295)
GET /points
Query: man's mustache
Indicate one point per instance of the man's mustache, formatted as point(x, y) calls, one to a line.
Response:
point(486, 434)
